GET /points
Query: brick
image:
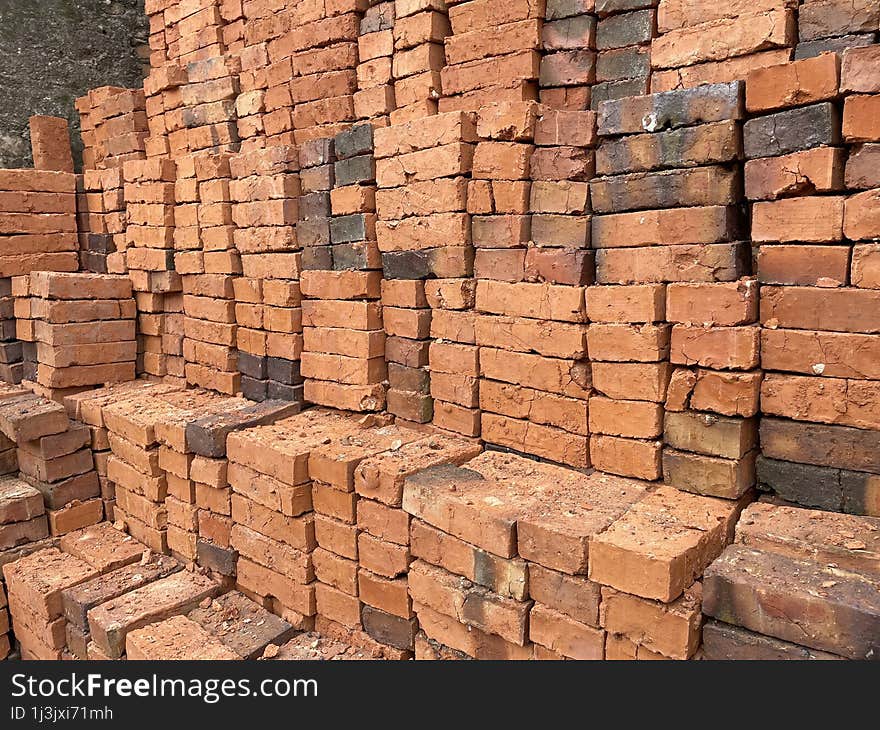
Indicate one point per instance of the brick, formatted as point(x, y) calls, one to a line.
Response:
point(668, 227)
point(709, 475)
point(467, 639)
point(792, 130)
point(736, 587)
point(561, 634)
point(818, 170)
point(859, 70)
point(701, 186)
point(802, 82)
point(39, 588)
point(725, 642)
point(819, 444)
point(829, 310)
point(176, 638)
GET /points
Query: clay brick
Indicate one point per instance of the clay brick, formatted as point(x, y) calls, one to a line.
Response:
point(39, 579)
point(829, 310)
point(736, 348)
point(736, 587)
point(819, 444)
point(818, 170)
point(725, 642)
point(667, 227)
point(564, 635)
point(801, 82)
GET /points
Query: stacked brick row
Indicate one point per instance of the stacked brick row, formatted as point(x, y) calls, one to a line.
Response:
point(708, 43)
point(51, 454)
point(492, 53)
point(491, 582)
point(102, 221)
point(114, 126)
point(663, 211)
point(819, 298)
point(208, 267)
point(266, 198)
point(342, 316)
point(81, 327)
point(835, 26)
point(797, 584)
point(623, 36)
point(569, 69)
point(417, 34)
point(374, 99)
point(406, 316)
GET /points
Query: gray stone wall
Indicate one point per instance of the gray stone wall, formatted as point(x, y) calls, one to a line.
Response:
point(52, 51)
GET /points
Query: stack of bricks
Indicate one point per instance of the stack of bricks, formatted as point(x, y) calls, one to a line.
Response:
point(53, 456)
point(163, 101)
point(819, 301)
point(208, 105)
point(341, 283)
point(318, 57)
point(383, 537)
point(664, 211)
point(493, 53)
point(374, 99)
point(273, 523)
point(568, 66)
point(207, 275)
point(355, 590)
point(797, 584)
point(149, 198)
point(114, 126)
point(424, 230)
point(834, 26)
point(491, 581)
point(265, 193)
point(704, 43)
point(418, 29)
point(82, 326)
point(623, 38)
point(37, 221)
point(22, 519)
point(86, 408)
point(11, 349)
point(102, 221)
point(407, 319)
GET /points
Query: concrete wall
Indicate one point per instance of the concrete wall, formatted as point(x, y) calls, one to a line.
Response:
point(52, 51)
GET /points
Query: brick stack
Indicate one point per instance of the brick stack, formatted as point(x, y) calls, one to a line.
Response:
point(623, 39)
point(354, 592)
point(491, 581)
point(568, 66)
point(383, 539)
point(341, 289)
point(207, 276)
point(11, 349)
point(86, 408)
point(265, 190)
point(407, 319)
point(163, 101)
point(34, 585)
point(321, 47)
point(703, 43)
point(22, 516)
point(83, 327)
point(421, 172)
point(114, 126)
point(797, 584)
point(274, 528)
point(492, 54)
point(816, 309)
point(102, 222)
point(663, 212)
point(417, 34)
point(37, 221)
point(374, 99)
point(834, 26)
point(207, 112)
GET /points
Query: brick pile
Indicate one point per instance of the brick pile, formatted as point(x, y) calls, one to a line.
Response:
point(569, 64)
point(52, 455)
point(376, 74)
point(797, 584)
point(266, 200)
point(406, 316)
point(113, 121)
point(490, 580)
point(660, 216)
point(492, 53)
point(102, 221)
point(418, 30)
point(706, 43)
point(81, 326)
point(819, 298)
point(623, 36)
point(342, 315)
